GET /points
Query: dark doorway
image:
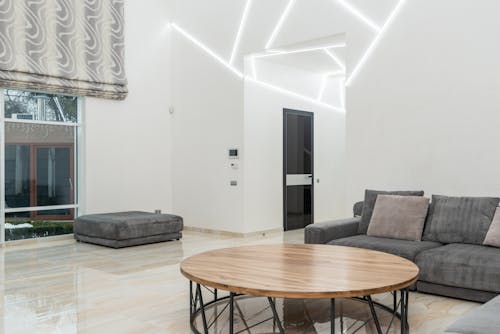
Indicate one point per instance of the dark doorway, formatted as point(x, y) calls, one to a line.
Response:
point(298, 168)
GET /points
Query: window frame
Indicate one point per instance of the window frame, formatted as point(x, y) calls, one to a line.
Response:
point(78, 163)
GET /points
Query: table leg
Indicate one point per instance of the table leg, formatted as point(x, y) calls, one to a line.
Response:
point(403, 311)
point(231, 313)
point(404, 308)
point(202, 308)
point(406, 312)
point(191, 303)
point(394, 300)
point(332, 316)
point(374, 314)
point(275, 314)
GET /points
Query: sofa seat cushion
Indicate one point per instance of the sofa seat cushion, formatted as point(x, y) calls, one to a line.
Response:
point(482, 320)
point(461, 265)
point(127, 225)
point(404, 248)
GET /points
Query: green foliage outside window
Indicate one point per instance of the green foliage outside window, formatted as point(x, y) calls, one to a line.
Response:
point(39, 229)
point(58, 108)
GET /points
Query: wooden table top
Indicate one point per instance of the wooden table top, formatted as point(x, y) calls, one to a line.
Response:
point(300, 271)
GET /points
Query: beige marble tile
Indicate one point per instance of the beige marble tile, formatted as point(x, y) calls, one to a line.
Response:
point(69, 287)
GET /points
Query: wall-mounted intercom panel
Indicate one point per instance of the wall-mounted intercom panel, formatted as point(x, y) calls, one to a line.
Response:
point(233, 153)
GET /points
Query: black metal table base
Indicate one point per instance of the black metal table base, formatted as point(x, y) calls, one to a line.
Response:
point(198, 306)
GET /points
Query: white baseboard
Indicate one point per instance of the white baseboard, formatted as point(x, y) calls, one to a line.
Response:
point(232, 234)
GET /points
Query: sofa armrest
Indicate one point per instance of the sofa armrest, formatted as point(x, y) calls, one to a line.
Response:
point(357, 209)
point(322, 233)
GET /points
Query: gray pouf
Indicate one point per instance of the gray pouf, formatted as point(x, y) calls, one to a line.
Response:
point(124, 229)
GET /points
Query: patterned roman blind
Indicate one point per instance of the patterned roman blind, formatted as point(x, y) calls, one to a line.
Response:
point(63, 46)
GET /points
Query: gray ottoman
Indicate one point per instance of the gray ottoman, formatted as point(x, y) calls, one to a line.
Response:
point(124, 229)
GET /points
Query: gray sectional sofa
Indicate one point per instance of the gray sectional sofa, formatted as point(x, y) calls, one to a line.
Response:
point(462, 270)
point(483, 320)
point(451, 257)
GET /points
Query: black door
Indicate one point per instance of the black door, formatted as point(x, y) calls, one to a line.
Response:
point(298, 157)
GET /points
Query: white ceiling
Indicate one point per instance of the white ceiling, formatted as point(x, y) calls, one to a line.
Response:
point(215, 22)
point(310, 22)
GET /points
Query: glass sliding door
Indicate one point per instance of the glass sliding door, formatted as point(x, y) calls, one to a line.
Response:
point(17, 176)
point(54, 180)
point(39, 139)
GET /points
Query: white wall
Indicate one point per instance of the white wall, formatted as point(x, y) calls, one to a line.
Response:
point(263, 151)
point(127, 146)
point(216, 110)
point(424, 112)
point(207, 121)
point(297, 80)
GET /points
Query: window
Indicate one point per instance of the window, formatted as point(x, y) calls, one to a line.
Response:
point(39, 157)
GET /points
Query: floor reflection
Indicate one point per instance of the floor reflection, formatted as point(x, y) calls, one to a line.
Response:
point(253, 315)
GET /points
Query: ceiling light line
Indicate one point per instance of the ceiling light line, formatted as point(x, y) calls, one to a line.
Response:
point(342, 93)
point(205, 48)
point(272, 53)
point(294, 94)
point(253, 67)
point(240, 31)
point(324, 84)
point(335, 59)
point(356, 12)
point(322, 88)
point(374, 43)
point(280, 22)
point(214, 55)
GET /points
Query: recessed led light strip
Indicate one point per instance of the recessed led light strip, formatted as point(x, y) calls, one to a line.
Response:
point(293, 94)
point(253, 67)
point(206, 49)
point(335, 59)
point(280, 22)
point(322, 88)
point(324, 83)
point(240, 75)
point(375, 42)
point(356, 12)
point(240, 31)
point(272, 53)
point(342, 94)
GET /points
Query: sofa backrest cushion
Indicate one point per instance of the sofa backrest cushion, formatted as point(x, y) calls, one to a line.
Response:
point(369, 204)
point(459, 219)
point(493, 236)
point(399, 217)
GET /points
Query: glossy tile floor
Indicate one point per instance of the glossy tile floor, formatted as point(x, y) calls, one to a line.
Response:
point(67, 287)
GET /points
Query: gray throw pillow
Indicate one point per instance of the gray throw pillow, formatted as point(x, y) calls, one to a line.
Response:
point(459, 219)
point(493, 235)
point(369, 204)
point(399, 217)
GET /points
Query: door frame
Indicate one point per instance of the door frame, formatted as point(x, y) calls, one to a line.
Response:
point(287, 111)
point(33, 180)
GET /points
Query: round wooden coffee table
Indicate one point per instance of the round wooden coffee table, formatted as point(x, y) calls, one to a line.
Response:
point(299, 271)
